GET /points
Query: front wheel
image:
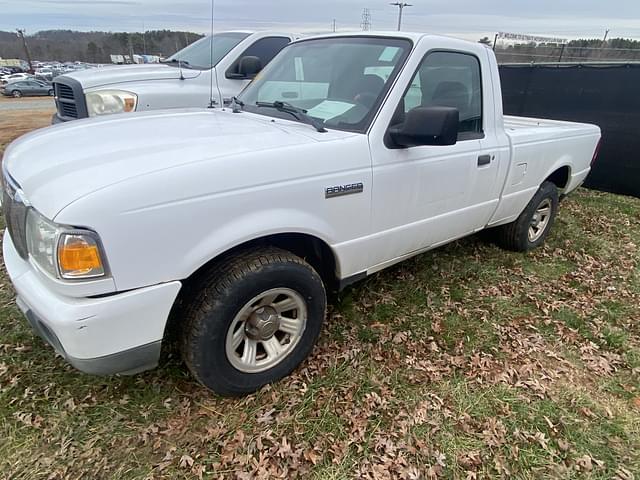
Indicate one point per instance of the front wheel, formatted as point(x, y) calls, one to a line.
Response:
point(16, 94)
point(50, 93)
point(533, 225)
point(253, 320)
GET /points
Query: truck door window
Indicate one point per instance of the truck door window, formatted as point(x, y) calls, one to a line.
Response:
point(448, 79)
point(265, 49)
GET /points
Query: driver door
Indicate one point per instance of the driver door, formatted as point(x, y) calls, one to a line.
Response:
point(428, 195)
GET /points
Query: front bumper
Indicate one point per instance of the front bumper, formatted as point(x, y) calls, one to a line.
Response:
point(119, 333)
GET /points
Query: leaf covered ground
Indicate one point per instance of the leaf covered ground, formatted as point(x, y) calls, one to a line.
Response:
point(465, 362)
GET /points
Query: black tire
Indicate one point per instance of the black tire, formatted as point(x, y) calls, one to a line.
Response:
point(515, 236)
point(50, 93)
point(210, 311)
point(16, 93)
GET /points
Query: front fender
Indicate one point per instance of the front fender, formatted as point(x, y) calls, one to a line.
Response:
point(252, 226)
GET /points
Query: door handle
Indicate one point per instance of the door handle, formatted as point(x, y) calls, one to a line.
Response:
point(484, 160)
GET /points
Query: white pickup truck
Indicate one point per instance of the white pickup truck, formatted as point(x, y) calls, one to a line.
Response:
point(347, 154)
point(196, 76)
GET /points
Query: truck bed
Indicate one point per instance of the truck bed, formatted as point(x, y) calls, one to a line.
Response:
point(521, 129)
point(539, 147)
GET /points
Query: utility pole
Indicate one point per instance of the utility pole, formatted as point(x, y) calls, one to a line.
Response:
point(334, 25)
point(366, 20)
point(131, 49)
point(606, 34)
point(26, 49)
point(400, 6)
point(144, 40)
point(495, 41)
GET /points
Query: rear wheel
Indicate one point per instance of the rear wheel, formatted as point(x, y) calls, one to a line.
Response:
point(253, 320)
point(16, 94)
point(533, 225)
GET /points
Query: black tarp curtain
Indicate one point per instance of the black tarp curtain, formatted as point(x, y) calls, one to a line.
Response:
point(608, 96)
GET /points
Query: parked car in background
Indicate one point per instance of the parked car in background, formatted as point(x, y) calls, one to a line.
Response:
point(13, 77)
point(45, 74)
point(193, 77)
point(27, 88)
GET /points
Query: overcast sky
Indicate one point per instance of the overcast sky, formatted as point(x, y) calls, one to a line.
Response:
point(464, 18)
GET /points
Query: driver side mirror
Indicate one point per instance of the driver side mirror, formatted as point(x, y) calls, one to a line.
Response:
point(427, 126)
point(248, 67)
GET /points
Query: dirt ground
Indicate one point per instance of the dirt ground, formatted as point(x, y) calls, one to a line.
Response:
point(14, 123)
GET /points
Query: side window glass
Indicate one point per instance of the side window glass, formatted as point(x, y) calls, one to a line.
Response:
point(449, 79)
point(265, 49)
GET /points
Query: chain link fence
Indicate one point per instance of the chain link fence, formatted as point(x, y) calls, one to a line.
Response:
point(564, 54)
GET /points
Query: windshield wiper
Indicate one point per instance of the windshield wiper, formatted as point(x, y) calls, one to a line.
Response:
point(297, 112)
point(174, 61)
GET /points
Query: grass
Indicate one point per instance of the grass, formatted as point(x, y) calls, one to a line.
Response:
point(465, 362)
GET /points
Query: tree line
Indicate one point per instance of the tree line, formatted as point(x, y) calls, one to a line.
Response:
point(93, 47)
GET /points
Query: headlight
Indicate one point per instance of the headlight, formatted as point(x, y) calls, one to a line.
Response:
point(42, 238)
point(62, 251)
point(105, 102)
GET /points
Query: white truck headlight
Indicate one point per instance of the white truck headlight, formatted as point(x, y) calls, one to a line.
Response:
point(105, 102)
point(62, 251)
point(42, 238)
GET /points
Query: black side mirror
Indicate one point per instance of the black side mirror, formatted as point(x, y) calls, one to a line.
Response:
point(427, 126)
point(248, 67)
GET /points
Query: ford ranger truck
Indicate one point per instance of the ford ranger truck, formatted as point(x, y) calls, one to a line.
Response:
point(194, 77)
point(347, 154)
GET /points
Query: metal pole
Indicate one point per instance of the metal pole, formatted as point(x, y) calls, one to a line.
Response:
point(26, 49)
point(400, 6)
point(561, 53)
point(334, 25)
point(495, 40)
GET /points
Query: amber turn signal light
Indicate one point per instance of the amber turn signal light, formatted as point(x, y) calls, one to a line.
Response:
point(79, 257)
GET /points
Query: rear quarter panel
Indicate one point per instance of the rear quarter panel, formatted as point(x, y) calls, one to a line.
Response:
point(538, 149)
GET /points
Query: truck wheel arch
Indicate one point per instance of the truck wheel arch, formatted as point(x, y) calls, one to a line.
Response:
point(312, 249)
point(560, 177)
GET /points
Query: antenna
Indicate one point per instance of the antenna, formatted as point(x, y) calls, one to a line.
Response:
point(212, 102)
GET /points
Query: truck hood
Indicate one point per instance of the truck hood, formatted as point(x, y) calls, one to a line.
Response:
point(60, 164)
point(97, 77)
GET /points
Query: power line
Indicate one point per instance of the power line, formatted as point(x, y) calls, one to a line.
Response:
point(400, 6)
point(366, 20)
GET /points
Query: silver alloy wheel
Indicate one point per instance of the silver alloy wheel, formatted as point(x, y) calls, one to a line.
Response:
point(265, 330)
point(540, 220)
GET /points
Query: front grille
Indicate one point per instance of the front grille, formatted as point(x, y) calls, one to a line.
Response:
point(64, 91)
point(15, 216)
point(70, 100)
point(68, 110)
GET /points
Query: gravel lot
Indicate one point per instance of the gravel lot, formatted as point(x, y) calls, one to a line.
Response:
point(41, 103)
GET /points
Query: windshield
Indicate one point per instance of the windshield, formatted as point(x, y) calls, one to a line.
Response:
point(199, 55)
point(339, 81)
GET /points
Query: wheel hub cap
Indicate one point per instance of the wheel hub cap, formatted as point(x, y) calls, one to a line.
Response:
point(262, 324)
point(266, 330)
point(540, 220)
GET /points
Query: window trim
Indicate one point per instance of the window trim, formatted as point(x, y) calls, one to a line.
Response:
point(466, 136)
point(229, 73)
